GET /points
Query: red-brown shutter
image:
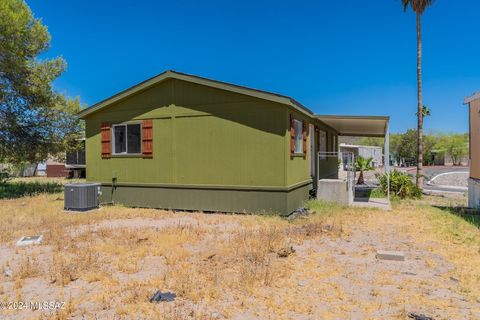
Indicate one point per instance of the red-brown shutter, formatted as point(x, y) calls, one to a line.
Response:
point(105, 140)
point(304, 135)
point(147, 138)
point(292, 137)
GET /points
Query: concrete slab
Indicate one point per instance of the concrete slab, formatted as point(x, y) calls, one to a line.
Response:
point(29, 240)
point(334, 190)
point(473, 193)
point(390, 255)
point(378, 203)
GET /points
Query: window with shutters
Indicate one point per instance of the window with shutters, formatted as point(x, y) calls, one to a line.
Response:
point(127, 139)
point(298, 137)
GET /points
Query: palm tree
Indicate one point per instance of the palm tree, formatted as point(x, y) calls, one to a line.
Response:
point(425, 112)
point(362, 164)
point(419, 7)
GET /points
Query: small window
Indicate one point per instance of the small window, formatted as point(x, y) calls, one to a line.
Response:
point(133, 138)
point(127, 138)
point(298, 129)
point(119, 138)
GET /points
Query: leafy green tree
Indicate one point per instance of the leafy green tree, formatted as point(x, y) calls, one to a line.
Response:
point(455, 145)
point(408, 146)
point(419, 7)
point(395, 143)
point(362, 164)
point(430, 143)
point(371, 141)
point(35, 120)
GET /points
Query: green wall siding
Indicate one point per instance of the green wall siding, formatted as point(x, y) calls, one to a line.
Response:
point(216, 200)
point(201, 136)
point(213, 150)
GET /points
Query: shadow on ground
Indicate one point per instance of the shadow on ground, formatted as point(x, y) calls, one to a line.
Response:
point(13, 190)
point(470, 215)
point(366, 192)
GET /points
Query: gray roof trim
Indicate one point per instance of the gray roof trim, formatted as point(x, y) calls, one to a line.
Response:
point(473, 97)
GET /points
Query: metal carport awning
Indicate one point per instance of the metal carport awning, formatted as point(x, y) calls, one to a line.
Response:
point(357, 126)
point(363, 126)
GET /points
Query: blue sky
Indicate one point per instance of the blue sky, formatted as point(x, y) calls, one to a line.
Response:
point(335, 57)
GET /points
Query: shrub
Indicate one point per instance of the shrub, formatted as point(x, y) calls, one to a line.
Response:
point(4, 176)
point(378, 193)
point(401, 185)
point(13, 190)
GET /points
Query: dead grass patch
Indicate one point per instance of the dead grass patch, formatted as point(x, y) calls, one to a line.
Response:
point(27, 267)
point(107, 263)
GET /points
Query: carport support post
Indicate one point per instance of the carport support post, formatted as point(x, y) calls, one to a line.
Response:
point(387, 158)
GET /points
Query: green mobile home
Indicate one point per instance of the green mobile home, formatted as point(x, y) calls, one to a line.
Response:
point(178, 141)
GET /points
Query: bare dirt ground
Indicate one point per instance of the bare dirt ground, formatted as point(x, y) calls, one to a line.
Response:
point(107, 263)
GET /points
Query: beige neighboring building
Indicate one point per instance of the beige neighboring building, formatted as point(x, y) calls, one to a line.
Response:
point(474, 182)
point(374, 152)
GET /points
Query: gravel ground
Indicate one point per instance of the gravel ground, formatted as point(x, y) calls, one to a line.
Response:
point(459, 179)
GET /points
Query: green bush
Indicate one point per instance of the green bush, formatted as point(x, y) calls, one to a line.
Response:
point(11, 190)
point(377, 193)
point(4, 176)
point(401, 185)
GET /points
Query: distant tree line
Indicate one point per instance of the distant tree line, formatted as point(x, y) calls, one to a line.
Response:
point(403, 146)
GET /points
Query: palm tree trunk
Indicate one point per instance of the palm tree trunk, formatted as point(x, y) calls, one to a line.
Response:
point(420, 104)
point(361, 179)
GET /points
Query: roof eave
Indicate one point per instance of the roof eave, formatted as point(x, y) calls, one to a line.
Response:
point(385, 119)
point(352, 117)
point(199, 80)
point(367, 135)
point(123, 94)
point(472, 98)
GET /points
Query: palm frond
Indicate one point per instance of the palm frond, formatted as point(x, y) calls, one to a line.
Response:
point(363, 164)
point(417, 6)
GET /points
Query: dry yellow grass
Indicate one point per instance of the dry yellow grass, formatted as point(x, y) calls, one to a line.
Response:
point(108, 262)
